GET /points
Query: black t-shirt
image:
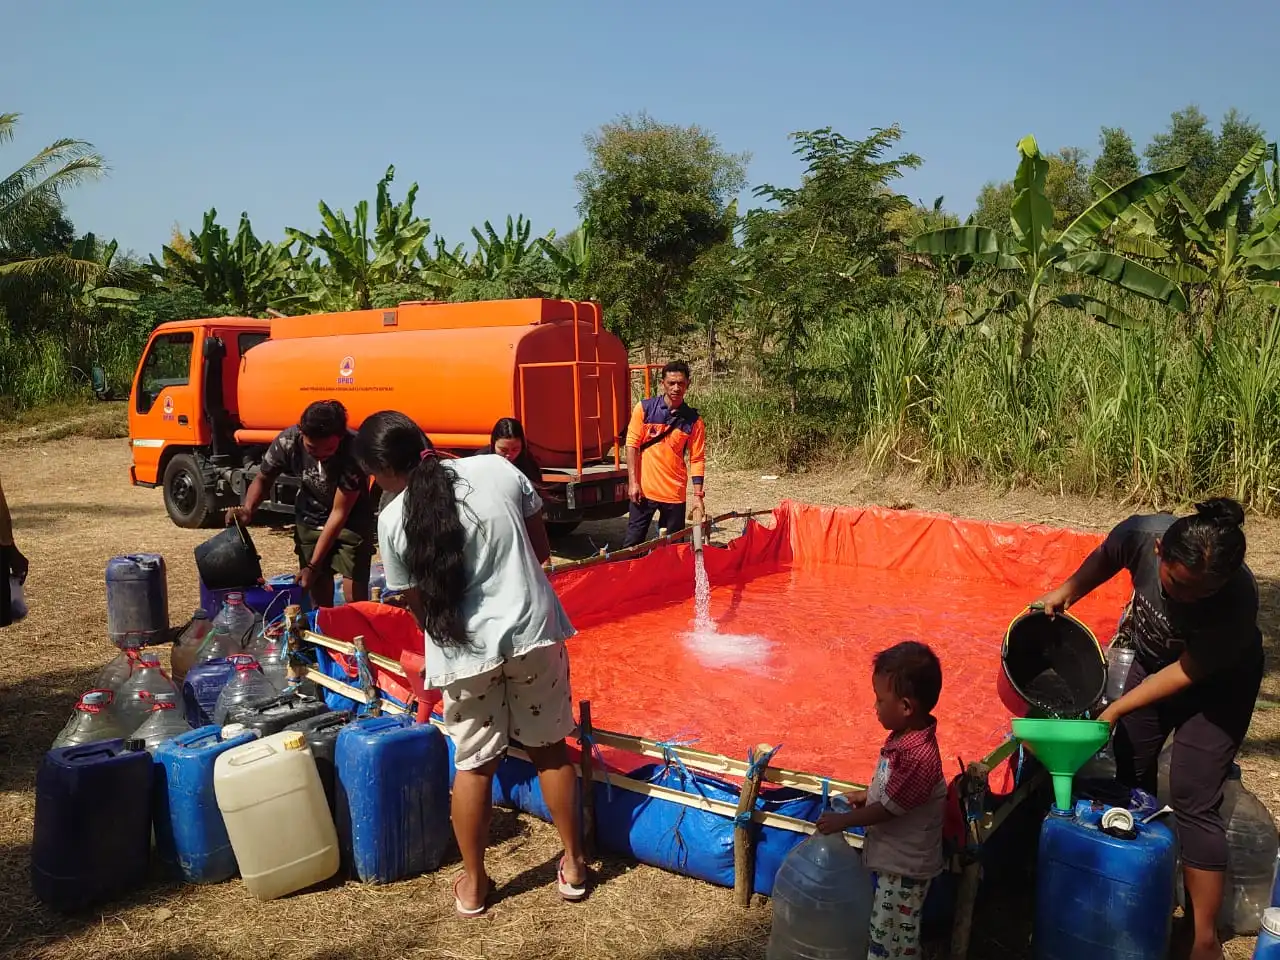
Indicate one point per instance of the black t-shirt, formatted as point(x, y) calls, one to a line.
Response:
point(1217, 631)
point(320, 481)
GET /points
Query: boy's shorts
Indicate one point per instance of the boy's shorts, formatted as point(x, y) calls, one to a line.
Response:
point(526, 701)
point(351, 556)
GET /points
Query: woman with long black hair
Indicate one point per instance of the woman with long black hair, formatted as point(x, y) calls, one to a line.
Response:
point(465, 540)
point(507, 440)
point(1198, 664)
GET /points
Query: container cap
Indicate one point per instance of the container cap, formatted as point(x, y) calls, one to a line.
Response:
point(149, 658)
point(235, 597)
point(233, 730)
point(135, 745)
point(1117, 818)
point(199, 615)
point(95, 698)
point(1271, 921)
point(165, 697)
point(294, 740)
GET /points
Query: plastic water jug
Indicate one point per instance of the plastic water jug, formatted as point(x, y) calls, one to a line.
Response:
point(236, 619)
point(266, 717)
point(92, 837)
point(393, 797)
point(91, 720)
point(191, 839)
point(277, 593)
point(272, 655)
point(164, 722)
point(821, 903)
point(148, 675)
point(1119, 662)
point(1268, 946)
point(246, 686)
point(271, 799)
point(117, 673)
point(1251, 858)
point(132, 709)
point(1103, 892)
point(202, 688)
point(322, 740)
point(187, 647)
point(137, 600)
point(218, 645)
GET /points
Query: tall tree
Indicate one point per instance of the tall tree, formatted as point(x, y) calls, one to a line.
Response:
point(658, 196)
point(1209, 157)
point(1117, 161)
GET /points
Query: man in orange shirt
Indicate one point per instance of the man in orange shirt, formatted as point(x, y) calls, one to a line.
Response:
point(663, 430)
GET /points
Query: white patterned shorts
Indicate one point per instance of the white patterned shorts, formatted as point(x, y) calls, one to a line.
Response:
point(526, 700)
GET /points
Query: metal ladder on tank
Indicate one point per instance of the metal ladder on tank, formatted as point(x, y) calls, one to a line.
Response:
point(589, 372)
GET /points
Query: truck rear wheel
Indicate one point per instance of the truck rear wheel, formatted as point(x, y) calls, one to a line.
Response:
point(558, 529)
point(185, 496)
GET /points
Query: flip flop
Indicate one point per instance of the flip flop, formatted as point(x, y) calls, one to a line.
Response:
point(569, 891)
point(468, 913)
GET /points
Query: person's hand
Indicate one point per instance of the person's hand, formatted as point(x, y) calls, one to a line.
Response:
point(635, 493)
point(14, 563)
point(699, 513)
point(1054, 602)
point(832, 822)
point(1110, 715)
point(856, 798)
point(305, 576)
point(243, 514)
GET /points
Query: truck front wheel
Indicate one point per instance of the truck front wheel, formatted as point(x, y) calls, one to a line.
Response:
point(185, 496)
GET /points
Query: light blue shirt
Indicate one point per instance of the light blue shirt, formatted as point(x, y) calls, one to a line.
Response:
point(509, 606)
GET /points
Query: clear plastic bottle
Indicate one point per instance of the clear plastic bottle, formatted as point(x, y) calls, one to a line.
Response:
point(218, 645)
point(248, 685)
point(148, 675)
point(1251, 858)
point(187, 647)
point(272, 656)
point(821, 903)
point(116, 673)
point(91, 720)
point(130, 710)
point(236, 619)
point(1119, 662)
point(164, 722)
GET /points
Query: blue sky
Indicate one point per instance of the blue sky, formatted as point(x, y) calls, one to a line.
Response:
point(270, 106)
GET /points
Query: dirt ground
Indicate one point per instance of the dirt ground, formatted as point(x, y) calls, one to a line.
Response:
point(73, 508)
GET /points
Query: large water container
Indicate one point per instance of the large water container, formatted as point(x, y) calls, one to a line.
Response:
point(270, 650)
point(150, 676)
point(187, 647)
point(1119, 663)
point(1100, 896)
point(191, 838)
point(821, 903)
point(137, 600)
point(132, 709)
point(273, 596)
point(117, 673)
point(1251, 858)
point(202, 688)
point(236, 619)
point(91, 720)
point(164, 722)
point(271, 716)
point(271, 799)
point(247, 686)
point(393, 797)
point(322, 740)
point(1268, 946)
point(92, 836)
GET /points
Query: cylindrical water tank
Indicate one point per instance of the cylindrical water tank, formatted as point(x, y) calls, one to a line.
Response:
point(454, 368)
point(821, 903)
point(137, 600)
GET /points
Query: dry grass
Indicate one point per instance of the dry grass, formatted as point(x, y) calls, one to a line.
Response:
point(73, 509)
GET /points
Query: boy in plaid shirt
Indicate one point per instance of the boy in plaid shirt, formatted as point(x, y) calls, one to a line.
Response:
point(902, 809)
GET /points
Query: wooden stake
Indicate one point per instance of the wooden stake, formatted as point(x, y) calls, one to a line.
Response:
point(973, 788)
point(294, 621)
point(587, 782)
point(365, 669)
point(744, 834)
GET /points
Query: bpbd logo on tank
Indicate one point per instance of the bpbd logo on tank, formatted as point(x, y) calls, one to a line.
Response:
point(347, 372)
point(168, 409)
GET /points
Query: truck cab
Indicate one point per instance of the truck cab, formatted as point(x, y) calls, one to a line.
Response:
point(202, 411)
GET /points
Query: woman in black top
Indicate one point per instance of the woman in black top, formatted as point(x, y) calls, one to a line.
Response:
point(507, 440)
point(1198, 664)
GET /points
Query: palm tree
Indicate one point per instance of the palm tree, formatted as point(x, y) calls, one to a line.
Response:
point(33, 190)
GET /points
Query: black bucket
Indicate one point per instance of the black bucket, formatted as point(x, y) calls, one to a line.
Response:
point(228, 560)
point(1052, 666)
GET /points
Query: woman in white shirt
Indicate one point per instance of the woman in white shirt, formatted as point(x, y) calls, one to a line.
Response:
point(466, 542)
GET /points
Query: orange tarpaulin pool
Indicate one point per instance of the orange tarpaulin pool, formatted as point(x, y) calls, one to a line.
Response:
point(800, 607)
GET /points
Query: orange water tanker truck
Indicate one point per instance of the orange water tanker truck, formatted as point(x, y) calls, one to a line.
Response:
point(210, 395)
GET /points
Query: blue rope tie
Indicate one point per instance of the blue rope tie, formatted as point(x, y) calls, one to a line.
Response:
point(590, 742)
point(756, 766)
point(669, 757)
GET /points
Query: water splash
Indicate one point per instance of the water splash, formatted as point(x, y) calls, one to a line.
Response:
point(713, 648)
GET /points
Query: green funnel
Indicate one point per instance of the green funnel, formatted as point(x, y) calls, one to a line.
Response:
point(1063, 746)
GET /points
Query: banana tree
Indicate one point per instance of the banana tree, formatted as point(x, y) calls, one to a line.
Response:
point(108, 286)
point(1210, 249)
point(243, 273)
point(359, 262)
point(1037, 255)
point(570, 260)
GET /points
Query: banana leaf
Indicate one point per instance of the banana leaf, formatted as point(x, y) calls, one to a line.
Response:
point(1224, 209)
point(1098, 309)
point(1126, 274)
point(1103, 213)
point(980, 243)
point(1267, 292)
point(1031, 215)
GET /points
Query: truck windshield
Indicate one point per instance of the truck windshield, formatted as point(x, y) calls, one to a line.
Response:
point(168, 364)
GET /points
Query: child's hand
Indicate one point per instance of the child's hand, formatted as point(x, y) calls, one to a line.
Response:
point(832, 822)
point(856, 798)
